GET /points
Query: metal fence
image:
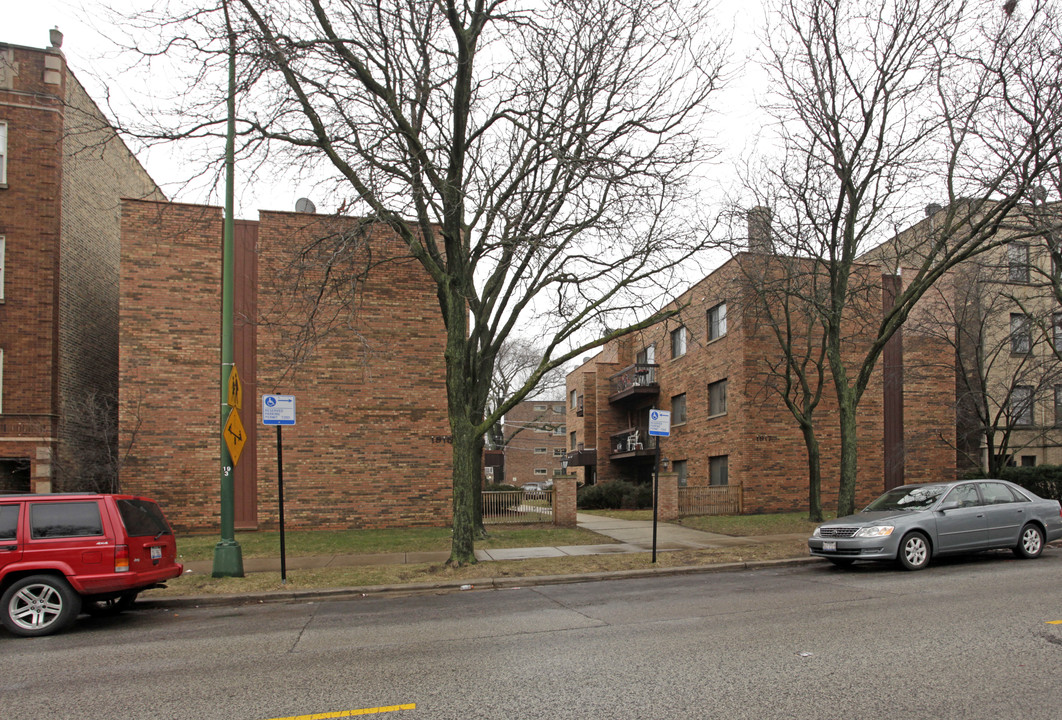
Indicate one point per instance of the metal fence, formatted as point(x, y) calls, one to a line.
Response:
point(517, 506)
point(715, 500)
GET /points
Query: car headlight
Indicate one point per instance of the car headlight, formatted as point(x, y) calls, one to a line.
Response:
point(816, 533)
point(875, 531)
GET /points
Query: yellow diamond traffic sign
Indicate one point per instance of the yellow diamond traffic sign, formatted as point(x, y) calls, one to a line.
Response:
point(235, 436)
point(235, 398)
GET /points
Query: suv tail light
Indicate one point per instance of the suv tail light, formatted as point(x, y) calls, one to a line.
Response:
point(121, 558)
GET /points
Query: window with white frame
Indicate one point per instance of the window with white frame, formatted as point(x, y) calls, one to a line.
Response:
point(1021, 405)
point(541, 471)
point(717, 398)
point(3, 250)
point(540, 451)
point(560, 430)
point(1, 381)
point(718, 470)
point(717, 321)
point(1020, 334)
point(574, 399)
point(1018, 262)
point(646, 356)
point(678, 409)
point(679, 466)
point(678, 342)
point(3, 153)
point(559, 452)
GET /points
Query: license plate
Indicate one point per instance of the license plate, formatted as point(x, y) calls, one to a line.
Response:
point(829, 546)
point(156, 553)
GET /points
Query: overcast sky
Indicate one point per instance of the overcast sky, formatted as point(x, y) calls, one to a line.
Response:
point(27, 22)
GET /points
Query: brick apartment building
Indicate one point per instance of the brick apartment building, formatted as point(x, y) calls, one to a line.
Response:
point(369, 448)
point(62, 172)
point(708, 367)
point(535, 441)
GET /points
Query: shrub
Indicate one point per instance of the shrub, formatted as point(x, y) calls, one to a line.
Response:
point(615, 495)
point(498, 487)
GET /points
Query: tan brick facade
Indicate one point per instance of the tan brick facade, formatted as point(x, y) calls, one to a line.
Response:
point(59, 218)
point(371, 400)
point(762, 445)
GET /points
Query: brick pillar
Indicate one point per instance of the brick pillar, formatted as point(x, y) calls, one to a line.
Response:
point(564, 500)
point(667, 509)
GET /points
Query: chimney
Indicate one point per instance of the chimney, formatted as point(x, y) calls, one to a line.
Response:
point(759, 223)
point(56, 37)
point(932, 209)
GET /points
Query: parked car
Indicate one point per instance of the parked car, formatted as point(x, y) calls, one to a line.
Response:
point(537, 488)
point(915, 523)
point(61, 553)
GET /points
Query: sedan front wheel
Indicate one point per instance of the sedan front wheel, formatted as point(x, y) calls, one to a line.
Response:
point(914, 551)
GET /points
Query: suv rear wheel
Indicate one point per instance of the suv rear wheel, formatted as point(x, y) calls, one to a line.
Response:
point(39, 605)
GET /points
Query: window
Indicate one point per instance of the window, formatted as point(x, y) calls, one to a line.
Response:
point(1021, 405)
point(680, 470)
point(571, 439)
point(1056, 325)
point(540, 408)
point(678, 409)
point(1028, 461)
point(1058, 405)
point(3, 153)
point(678, 342)
point(717, 398)
point(717, 321)
point(3, 246)
point(1018, 262)
point(8, 521)
point(558, 408)
point(1, 381)
point(540, 451)
point(1020, 334)
point(998, 493)
point(717, 470)
point(965, 495)
point(73, 519)
point(540, 471)
point(574, 399)
point(558, 452)
point(560, 430)
point(646, 356)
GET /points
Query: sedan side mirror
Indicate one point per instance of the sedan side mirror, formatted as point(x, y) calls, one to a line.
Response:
point(950, 505)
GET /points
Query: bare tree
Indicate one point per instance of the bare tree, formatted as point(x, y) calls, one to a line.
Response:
point(516, 361)
point(880, 105)
point(535, 159)
point(97, 464)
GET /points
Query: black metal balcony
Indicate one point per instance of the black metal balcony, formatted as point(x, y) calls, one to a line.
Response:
point(635, 381)
point(582, 458)
point(632, 444)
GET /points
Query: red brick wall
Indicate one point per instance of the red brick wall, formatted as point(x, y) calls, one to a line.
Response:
point(541, 425)
point(369, 398)
point(30, 222)
point(766, 451)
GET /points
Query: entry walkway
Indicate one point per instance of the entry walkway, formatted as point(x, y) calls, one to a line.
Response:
point(633, 536)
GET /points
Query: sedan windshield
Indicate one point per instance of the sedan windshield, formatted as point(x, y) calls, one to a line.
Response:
point(918, 497)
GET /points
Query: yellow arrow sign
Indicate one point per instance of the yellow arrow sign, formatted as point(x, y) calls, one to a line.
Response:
point(235, 436)
point(235, 389)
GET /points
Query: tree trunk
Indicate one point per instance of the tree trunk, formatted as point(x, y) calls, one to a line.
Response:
point(465, 480)
point(811, 442)
point(849, 453)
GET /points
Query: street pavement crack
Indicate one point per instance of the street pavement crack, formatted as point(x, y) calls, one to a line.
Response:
point(302, 631)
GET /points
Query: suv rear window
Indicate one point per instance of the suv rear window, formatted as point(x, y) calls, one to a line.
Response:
point(65, 519)
point(8, 522)
point(142, 518)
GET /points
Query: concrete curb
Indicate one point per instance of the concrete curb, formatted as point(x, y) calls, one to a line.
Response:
point(487, 583)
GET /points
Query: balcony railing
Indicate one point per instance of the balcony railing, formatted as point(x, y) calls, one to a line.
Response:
point(635, 380)
point(632, 442)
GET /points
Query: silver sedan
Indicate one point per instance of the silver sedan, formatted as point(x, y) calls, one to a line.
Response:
point(914, 523)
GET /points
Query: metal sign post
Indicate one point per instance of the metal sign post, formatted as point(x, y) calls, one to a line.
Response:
point(279, 410)
point(659, 427)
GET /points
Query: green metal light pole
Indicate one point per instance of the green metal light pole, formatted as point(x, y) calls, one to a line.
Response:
point(228, 557)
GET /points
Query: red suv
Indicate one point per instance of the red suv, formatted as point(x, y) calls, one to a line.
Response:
point(61, 552)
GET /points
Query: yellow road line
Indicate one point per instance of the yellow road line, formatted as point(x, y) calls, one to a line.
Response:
point(351, 713)
point(1054, 622)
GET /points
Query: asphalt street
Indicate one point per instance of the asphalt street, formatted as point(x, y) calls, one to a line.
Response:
point(969, 638)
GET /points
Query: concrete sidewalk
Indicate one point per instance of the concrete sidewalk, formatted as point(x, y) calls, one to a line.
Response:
point(633, 536)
